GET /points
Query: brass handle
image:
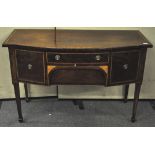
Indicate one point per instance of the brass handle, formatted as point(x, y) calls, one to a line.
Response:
point(29, 66)
point(98, 57)
point(57, 57)
point(125, 66)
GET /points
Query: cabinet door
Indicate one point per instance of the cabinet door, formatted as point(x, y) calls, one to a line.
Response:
point(124, 67)
point(30, 66)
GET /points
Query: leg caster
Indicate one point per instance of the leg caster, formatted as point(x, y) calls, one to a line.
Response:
point(133, 119)
point(20, 120)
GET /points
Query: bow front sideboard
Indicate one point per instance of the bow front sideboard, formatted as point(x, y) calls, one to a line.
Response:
point(77, 57)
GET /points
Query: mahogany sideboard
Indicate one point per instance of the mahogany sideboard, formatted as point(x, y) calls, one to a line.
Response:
point(77, 57)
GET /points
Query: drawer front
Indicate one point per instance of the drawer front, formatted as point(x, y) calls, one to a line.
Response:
point(77, 76)
point(124, 67)
point(83, 58)
point(30, 66)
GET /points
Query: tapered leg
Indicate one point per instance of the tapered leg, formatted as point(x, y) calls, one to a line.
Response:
point(126, 93)
point(135, 104)
point(18, 101)
point(26, 92)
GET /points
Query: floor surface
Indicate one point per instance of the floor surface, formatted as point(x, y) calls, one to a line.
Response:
point(63, 113)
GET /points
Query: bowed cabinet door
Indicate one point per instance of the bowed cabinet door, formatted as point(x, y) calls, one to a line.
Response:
point(30, 66)
point(124, 67)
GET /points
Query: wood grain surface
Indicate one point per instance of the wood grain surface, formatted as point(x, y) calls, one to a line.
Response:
point(76, 39)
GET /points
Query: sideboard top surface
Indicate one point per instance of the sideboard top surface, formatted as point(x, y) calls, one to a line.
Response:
point(76, 39)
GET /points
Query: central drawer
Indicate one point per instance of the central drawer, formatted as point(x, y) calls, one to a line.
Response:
point(77, 58)
point(81, 75)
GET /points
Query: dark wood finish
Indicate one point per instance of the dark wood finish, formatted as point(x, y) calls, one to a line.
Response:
point(124, 66)
point(77, 76)
point(76, 39)
point(77, 57)
point(126, 93)
point(141, 65)
point(135, 104)
point(12, 58)
point(30, 66)
point(26, 92)
point(55, 34)
point(18, 102)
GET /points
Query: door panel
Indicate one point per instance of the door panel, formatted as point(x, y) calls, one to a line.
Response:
point(124, 67)
point(30, 66)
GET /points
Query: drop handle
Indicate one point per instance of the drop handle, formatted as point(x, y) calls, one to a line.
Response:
point(125, 66)
point(29, 66)
point(57, 57)
point(98, 57)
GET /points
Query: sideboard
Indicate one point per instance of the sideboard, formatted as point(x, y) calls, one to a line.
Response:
point(77, 57)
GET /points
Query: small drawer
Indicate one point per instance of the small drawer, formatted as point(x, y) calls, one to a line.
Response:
point(81, 58)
